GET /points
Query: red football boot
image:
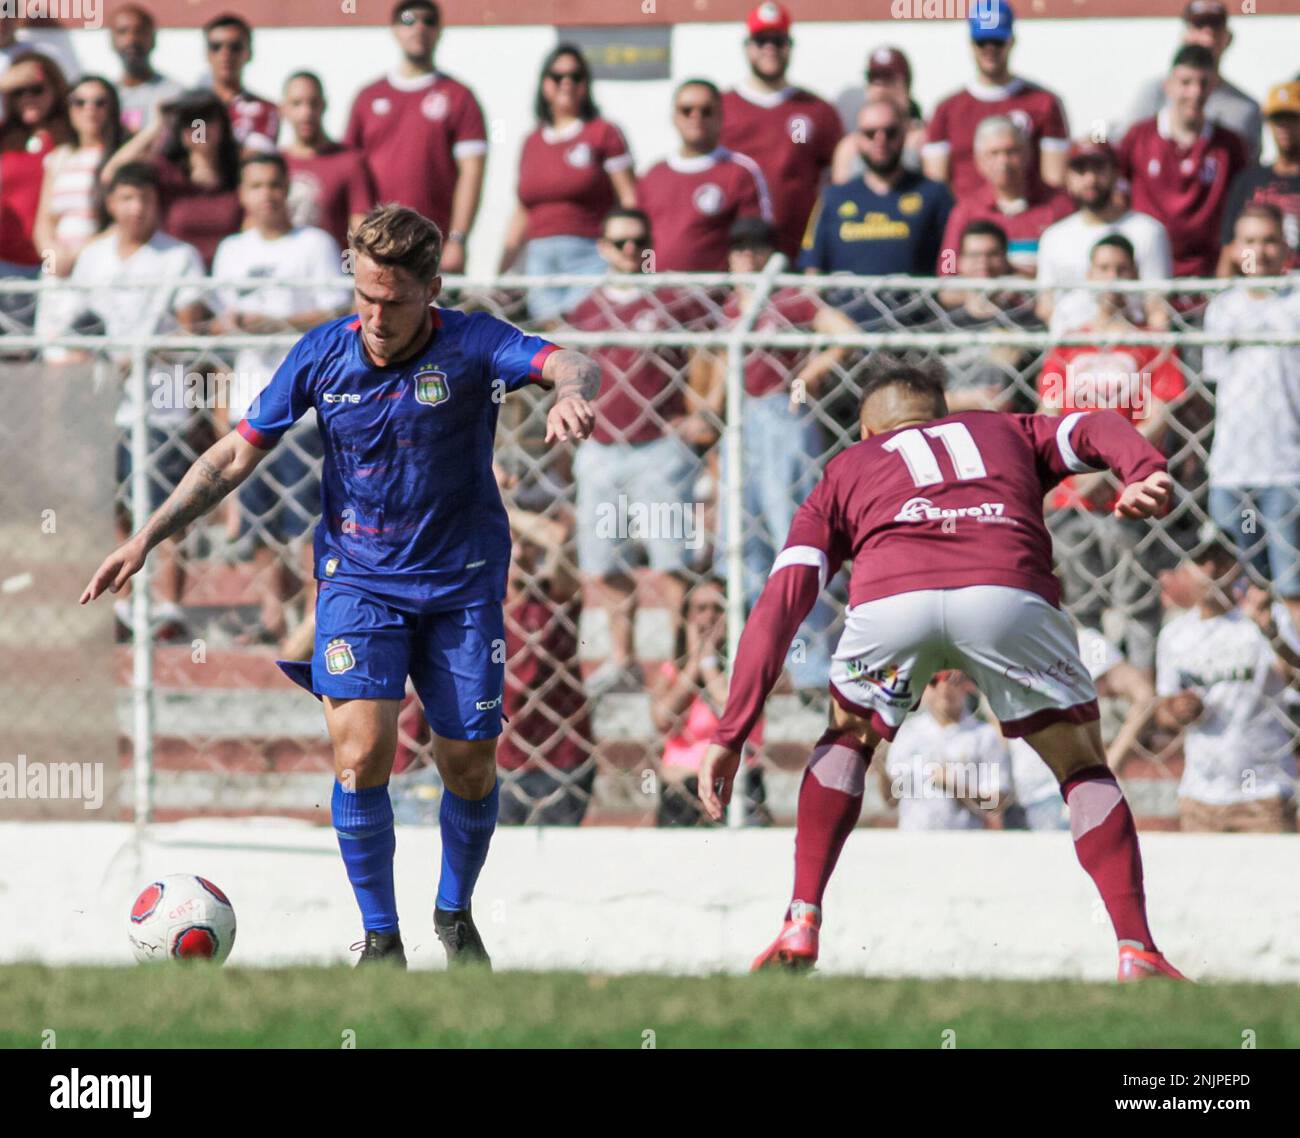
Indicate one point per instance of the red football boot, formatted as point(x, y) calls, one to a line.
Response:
point(796, 948)
point(1138, 964)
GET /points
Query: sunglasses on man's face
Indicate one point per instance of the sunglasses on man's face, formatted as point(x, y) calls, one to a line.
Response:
point(770, 41)
point(218, 47)
point(410, 19)
point(561, 76)
point(695, 110)
point(641, 241)
point(890, 133)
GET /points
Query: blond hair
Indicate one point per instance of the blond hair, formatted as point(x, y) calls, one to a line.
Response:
point(398, 237)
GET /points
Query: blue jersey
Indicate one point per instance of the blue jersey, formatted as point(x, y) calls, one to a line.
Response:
point(410, 510)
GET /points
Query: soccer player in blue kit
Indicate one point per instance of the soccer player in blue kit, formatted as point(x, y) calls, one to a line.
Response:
point(411, 551)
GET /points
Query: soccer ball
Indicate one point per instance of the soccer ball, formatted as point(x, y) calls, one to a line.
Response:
point(182, 917)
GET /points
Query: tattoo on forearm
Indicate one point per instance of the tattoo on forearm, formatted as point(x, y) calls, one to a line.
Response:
point(581, 378)
point(202, 488)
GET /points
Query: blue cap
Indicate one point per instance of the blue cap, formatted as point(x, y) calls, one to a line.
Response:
point(990, 21)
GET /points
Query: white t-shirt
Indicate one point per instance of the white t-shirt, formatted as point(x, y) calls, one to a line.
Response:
point(304, 253)
point(132, 311)
point(972, 752)
point(1240, 749)
point(1032, 778)
point(140, 103)
point(1064, 251)
point(1257, 391)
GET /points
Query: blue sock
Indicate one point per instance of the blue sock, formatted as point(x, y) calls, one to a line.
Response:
point(363, 820)
point(466, 834)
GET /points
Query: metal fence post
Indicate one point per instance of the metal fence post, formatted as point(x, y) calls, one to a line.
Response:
point(142, 708)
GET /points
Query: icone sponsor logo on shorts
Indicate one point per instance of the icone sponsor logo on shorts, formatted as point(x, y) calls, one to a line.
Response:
point(487, 704)
point(924, 510)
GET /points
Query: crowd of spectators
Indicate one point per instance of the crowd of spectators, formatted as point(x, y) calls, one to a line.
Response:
point(143, 178)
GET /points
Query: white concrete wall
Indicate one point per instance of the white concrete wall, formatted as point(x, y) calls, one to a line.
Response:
point(608, 900)
point(1095, 65)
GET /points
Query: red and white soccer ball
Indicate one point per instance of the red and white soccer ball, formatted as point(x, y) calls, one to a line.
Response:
point(182, 917)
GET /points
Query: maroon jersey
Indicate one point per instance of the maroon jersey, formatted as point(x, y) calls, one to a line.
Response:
point(1184, 188)
point(787, 310)
point(1036, 111)
point(544, 704)
point(255, 121)
point(412, 131)
point(641, 389)
point(328, 188)
point(564, 177)
point(692, 203)
point(1041, 207)
point(948, 504)
point(194, 214)
point(791, 135)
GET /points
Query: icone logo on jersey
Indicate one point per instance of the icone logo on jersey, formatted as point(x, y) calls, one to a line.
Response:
point(924, 510)
point(341, 397)
point(487, 704)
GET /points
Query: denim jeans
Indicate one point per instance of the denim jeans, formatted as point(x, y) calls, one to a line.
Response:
point(559, 254)
point(1264, 524)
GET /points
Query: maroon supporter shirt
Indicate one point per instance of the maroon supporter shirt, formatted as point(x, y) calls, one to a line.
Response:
point(564, 177)
point(638, 395)
point(1037, 112)
point(787, 310)
point(195, 215)
point(412, 131)
point(791, 136)
point(255, 121)
point(1184, 188)
point(1041, 207)
point(21, 175)
point(544, 704)
point(328, 188)
point(949, 504)
point(692, 203)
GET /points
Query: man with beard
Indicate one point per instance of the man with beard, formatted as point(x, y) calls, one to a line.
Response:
point(888, 221)
point(789, 132)
point(1065, 248)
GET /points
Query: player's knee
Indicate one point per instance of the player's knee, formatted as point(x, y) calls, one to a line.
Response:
point(362, 762)
point(468, 766)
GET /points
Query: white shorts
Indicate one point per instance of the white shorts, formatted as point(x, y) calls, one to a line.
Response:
point(1022, 653)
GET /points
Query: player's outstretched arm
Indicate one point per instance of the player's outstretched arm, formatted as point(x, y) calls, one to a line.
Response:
point(576, 380)
point(216, 472)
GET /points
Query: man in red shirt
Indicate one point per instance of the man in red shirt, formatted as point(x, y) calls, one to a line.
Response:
point(254, 120)
point(635, 476)
point(949, 155)
point(1180, 165)
point(1017, 204)
point(329, 185)
point(789, 132)
point(1098, 553)
point(694, 196)
point(423, 134)
point(942, 518)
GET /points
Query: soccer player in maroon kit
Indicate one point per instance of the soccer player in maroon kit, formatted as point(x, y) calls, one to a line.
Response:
point(942, 518)
point(1180, 165)
point(423, 134)
point(695, 195)
point(789, 132)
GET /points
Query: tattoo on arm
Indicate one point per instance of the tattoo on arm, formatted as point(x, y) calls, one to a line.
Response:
point(203, 486)
point(577, 376)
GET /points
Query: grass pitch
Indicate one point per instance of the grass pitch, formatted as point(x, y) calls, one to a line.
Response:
point(177, 1006)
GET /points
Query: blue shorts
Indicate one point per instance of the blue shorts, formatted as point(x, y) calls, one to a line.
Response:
point(365, 649)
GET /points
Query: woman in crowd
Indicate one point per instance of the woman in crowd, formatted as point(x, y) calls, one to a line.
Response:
point(686, 698)
point(35, 122)
point(573, 169)
point(69, 212)
point(194, 148)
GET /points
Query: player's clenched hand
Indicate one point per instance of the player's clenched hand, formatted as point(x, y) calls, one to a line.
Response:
point(115, 570)
point(570, 418)
point(717, 774)
point(1148, 498)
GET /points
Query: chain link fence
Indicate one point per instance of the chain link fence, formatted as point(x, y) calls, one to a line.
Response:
point(636, 553)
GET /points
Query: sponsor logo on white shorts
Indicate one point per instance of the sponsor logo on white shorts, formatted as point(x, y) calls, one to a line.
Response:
point(924, 510)
point(888, 683)
point(1060, 673)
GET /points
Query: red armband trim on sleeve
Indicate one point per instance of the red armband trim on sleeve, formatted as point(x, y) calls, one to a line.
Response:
point(259, 439)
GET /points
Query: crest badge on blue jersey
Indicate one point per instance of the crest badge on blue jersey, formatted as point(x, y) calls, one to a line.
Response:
point(431, 386)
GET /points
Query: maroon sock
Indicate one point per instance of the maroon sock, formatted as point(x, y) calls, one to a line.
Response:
point(830, 801)
point(1106, 842)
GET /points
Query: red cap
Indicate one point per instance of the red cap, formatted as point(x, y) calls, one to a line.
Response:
point(889, 61)
point(768, 17)
point(1089, 148)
